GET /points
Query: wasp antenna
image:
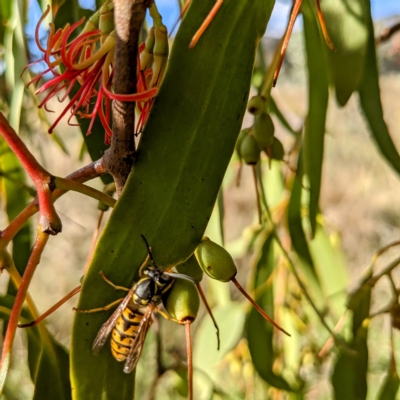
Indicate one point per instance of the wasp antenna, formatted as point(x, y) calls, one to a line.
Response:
point(148, 248)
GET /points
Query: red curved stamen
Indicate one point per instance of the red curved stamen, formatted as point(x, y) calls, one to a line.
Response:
point(143, 96)
point(64, 44)
point(79, 43)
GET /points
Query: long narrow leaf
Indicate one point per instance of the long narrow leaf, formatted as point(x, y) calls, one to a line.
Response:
point(182, 158)
point(370, 100)
point(259, 332)
point(317, 105)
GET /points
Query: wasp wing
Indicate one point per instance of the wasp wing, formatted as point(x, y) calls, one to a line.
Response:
point(108, 326)
point(137, 345)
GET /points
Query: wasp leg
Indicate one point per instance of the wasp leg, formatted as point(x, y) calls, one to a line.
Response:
point(205, 23)
point(105, 308)
point(112, 284)
point(168, 317)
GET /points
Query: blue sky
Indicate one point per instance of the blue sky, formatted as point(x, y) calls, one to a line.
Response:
point(169, 11)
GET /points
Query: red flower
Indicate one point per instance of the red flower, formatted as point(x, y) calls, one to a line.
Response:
point(87, 61)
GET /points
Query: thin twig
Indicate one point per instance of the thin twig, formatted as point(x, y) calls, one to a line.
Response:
point(34, 259)
point(84, 174)
point(387, 33)
point(385, 271)
point(291, 264)
point(189, 358)
point(203, 297)
point(67, 184)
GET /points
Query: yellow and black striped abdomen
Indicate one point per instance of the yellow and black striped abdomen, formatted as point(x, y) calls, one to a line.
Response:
point(124, 333)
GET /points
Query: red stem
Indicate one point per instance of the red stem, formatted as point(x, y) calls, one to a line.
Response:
point(292, 20)
point(259, 212)
point(189, 358)
point(34, 260)
point(49, 221)
point(203, 297)
point(257, 307)
point(84, 174)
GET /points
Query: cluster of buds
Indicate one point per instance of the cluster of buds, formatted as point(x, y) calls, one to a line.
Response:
point(86, 63)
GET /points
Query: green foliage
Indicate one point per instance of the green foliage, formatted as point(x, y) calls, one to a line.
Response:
point(178, 148)
point(182, 183)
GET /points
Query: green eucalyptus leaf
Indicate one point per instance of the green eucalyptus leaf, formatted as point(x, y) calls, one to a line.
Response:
point(347, 28)
point(182, 158)
point(52, 376)
point(313, 148)
point(48, 360)
point(297, 234)
point(259, 332)
point(370, 101)
point(230, 319)
point(331, 269)
point(273, 107)
point(349, 379)
point(390, 385)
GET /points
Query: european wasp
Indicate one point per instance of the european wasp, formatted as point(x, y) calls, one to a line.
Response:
point(131, 321)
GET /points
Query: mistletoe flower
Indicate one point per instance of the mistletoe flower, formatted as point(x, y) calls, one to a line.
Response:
point(82, 70)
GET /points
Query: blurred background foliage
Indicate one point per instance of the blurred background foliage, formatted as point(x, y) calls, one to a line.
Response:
point(332, 233)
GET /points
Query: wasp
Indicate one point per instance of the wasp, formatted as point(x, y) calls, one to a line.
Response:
point(130, 322)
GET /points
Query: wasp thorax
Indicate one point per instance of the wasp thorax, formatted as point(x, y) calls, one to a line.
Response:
point(250, 150)
point(264, 130)
point(182, 301)
point(145, 291)
point(256, 105)
point(191, 268)
point(215, 261)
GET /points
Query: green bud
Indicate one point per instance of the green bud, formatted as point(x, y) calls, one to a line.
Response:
point(264, 130)
point(102, 206)
point(161, 51)
point(191, 268)
point(215, 261)
point(276, 150)
point(6, 259)
point(146, 58)
point(182, 301)
point(256, 105)
point(242, 134)
point(161, 46)
point(250, 150)
point(106, 23)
